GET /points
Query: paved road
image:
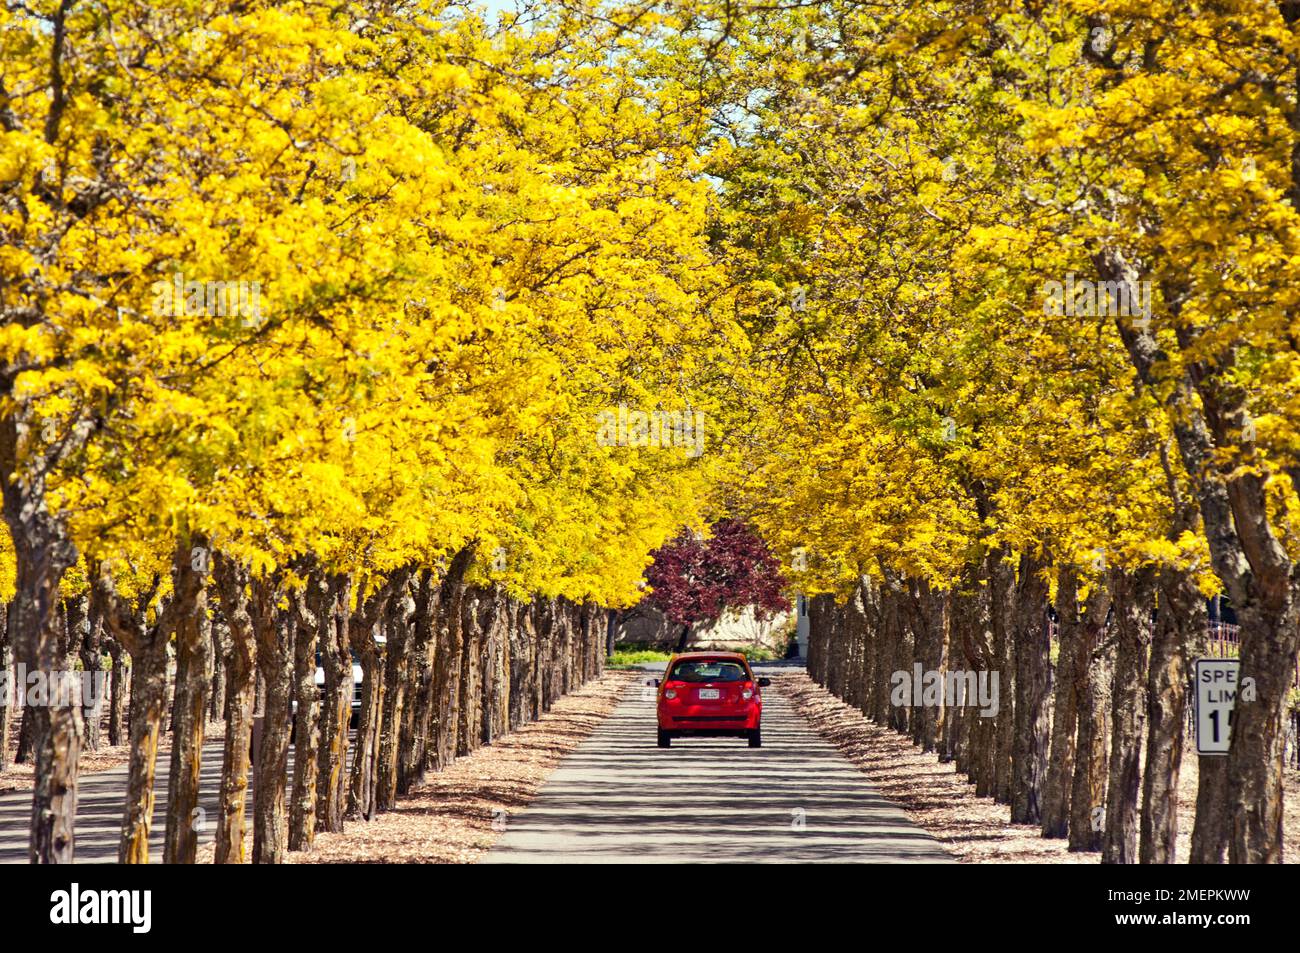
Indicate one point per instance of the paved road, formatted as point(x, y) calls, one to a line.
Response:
point(100, 799)
point(618, 798)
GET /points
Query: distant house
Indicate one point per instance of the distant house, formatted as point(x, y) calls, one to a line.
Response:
point(645, 625)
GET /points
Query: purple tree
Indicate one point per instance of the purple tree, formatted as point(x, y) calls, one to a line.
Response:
point(696, 580)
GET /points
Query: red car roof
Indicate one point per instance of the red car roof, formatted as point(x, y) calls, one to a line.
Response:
point(729, 656)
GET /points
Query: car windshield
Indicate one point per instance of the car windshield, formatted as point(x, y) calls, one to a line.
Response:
point(708, 670)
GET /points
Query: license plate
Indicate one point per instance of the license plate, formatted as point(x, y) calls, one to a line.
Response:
point(710, 694)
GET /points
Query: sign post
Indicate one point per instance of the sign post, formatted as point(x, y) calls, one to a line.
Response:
point(1216, 696)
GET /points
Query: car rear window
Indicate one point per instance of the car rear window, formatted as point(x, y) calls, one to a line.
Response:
point(708, 670)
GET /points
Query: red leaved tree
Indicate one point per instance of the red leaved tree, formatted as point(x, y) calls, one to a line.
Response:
point(695, 580)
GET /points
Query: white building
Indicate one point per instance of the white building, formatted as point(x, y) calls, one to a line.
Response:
point(801, 625)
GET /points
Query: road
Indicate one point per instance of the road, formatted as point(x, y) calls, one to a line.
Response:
point(618, 798)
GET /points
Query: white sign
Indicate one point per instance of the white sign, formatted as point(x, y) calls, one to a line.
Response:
point(1216, 696)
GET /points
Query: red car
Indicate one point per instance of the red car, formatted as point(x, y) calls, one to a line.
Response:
point(710, 694)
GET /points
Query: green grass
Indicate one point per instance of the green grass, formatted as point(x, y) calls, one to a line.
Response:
point(626, 658)
point(630, 655)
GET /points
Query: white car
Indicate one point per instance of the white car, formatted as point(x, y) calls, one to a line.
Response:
point(358, 675)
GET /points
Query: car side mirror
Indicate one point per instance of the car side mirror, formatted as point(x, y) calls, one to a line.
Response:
point(652, 681)
point(764, 682)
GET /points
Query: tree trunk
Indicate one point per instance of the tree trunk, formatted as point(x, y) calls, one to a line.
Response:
point(336, 663)
point(900, 715)
point(523, 663)
point(118, 687)
point(413, 752)
point(397, 622)
point(148, 698)
point(1093, 666)
point(1068, 680)
point(1182, 614)
point(312, 608)
point(927, 627)
point(469, 728)
point(446, 682)
point(91, 651)
point(875, 677)
point(275, 632)
point(220, 668)
point(232, 586)
point(1002, 618)
point(1270, 638)
point(1211, 829)
point(684, 639)
point(835, 644)
point(147, 644)
point(43, 554)
point(364, 625)
point(194, 661)
point(1134, 598)
point(26, 748)
point(6, 675)
point(361, 791)
point(1032, 650)
point(496, 665)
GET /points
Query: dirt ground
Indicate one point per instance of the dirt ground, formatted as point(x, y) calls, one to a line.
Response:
point(975, 829)
point(456, 816)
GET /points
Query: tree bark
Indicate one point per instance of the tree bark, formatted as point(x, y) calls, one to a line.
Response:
point(1093, 666)
point(6, 674)
point(1059, 778)
point(684, 639)
point(418, 724)
point(336, 663)
point(397, 622)
point(1182, 614)
point(927, 628)
point(312, 608)
point(147, 644)
point(1032, 650)
point(220, 668)
point(1134, 599)
point(1002, 617)
point(194, 660)
point(364, 626)
point(275, 632)
point(91, 650)
point(469, 728)
point(232, 587)
point(43, 554)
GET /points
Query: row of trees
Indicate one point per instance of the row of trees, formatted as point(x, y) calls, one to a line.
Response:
point(1019, 281)
point(1089, 747)
point(447, 666)
point(311, 315)
point(976, 297)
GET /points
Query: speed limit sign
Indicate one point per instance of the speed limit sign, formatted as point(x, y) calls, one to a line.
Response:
point(1216, 696)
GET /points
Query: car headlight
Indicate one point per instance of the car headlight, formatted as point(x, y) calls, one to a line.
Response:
point(670, 693)
point(747, 694)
